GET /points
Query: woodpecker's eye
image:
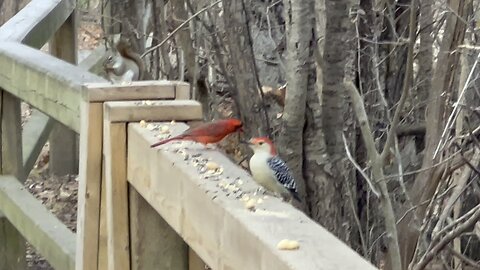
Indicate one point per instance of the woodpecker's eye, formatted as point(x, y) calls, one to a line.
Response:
point(260, 143)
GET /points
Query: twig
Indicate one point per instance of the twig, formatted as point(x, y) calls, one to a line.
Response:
point(392, 133)
point(457, 162)
point(459, 188)
point(454, 223)
point(464, 258)
point(400, 172)
point(433, 251)
point(355, 216)
point(456, 109)
point(360, 112)
point(359, 169)
point(180, 27)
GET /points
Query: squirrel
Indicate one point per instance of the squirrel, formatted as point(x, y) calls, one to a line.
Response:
point(122, 64)
point(277, 94)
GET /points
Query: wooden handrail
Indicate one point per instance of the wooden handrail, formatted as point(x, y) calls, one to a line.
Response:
point(36, 23)
point(50, 84)
point(207, 210)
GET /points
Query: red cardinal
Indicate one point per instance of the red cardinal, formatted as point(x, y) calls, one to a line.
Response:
point(206, 133)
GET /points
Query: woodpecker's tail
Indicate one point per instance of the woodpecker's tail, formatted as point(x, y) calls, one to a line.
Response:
point(295, 196)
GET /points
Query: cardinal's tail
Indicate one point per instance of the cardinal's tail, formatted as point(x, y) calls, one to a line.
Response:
point(166, 141)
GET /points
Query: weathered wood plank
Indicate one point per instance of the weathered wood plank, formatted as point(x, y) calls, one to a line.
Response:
point(194, 261)
point(137, 90)
point(154, 244)
point(12, 250)
point(37, 22)
point(216, 224)
point(11, 135)
point(103, 231)
point(11, 163)
point(34, 136)
point(89, 189)
point(94, 61)
point(156, 110)
point(182, 91)
point(115, 152)
point(63, 141)
point(40, 227)
point(49, 84)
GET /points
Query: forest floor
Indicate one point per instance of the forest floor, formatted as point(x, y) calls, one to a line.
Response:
point(58, 194)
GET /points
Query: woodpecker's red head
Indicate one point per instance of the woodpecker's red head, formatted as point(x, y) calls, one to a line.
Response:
point(262, 144)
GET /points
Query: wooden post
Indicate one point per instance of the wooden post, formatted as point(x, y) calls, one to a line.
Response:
point(116, 189)
point(154, 244)
point(12, 243)
point(194, 261)
point(89, 189)
point(63, 141)
point(102, 231)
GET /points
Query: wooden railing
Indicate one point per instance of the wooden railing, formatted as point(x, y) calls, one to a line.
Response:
point(138, 208)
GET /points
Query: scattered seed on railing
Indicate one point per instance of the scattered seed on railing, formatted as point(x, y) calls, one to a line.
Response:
point(250, 205)
point(287, 244)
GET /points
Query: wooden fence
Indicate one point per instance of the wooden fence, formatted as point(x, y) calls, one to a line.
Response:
point(138, 208)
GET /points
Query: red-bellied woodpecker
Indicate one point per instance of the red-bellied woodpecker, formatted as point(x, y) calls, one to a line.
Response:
point(211, 132)
point(270, 171)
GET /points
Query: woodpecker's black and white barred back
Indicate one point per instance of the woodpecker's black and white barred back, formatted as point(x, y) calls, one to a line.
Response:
point(283, 175)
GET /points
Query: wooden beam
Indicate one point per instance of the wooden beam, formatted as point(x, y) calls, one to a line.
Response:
point(51, 85)
point(156, 110)
point(37, 22)
point(11, 135)
point(34, 136)
point(183, 91)
point(12, 247)
point(63, 141)
point(39, 226)
point(154, 244)
point(137, 90)
point(103, 231)
point(115, 152)
point(89, 189)
point(194, 261)
point(94, 61)
point(215, 223)
point(11, 162)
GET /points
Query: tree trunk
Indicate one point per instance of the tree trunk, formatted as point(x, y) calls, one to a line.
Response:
point(246, 92)
point(327, 174)
point(299, 65)
point(425, 59)
point(128, 16)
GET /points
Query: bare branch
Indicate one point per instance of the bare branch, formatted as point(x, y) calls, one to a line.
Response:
point(459, 188)
point(456, 109)
point(464, 258)
point(392, 133)
point(170, 35)
point(427, 257)
point(359, 108)
point(359, 169)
